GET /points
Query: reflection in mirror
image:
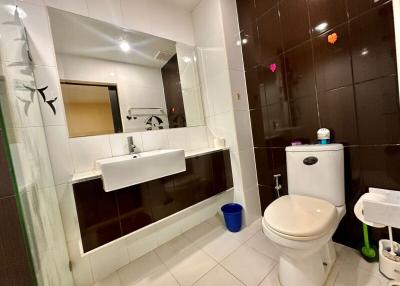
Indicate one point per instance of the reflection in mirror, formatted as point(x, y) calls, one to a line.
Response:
point(116, 80)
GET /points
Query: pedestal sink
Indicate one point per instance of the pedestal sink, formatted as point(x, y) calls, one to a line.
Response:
point(124, 171)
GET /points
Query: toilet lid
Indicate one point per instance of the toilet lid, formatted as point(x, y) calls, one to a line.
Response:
point(300, 216)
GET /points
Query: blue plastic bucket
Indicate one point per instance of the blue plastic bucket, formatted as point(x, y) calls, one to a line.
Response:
point(233, 216)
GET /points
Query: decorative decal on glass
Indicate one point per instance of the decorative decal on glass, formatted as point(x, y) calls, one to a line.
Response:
point(27, 103)
point(332, 38)
point(273, 67)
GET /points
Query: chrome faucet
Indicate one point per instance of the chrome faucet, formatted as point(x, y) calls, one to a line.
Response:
point(131, 145)
point(278, 186)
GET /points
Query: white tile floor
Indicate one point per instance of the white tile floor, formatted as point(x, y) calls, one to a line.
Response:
point(208, 255)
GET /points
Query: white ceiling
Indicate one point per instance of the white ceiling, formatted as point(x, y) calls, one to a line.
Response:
point(188, 5)
point(86, 37)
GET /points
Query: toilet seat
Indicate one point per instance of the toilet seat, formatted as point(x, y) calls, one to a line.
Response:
point(298, 217)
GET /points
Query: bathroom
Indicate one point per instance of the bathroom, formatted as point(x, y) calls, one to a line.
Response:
point(126, 125)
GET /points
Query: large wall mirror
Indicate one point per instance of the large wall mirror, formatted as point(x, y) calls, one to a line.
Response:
point(117, 80)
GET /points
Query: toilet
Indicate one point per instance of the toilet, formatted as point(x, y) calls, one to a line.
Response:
point(302, 223)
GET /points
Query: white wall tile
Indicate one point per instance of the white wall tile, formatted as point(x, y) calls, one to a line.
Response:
point(243, 129)
point(239, 90)
point(252, 205)
point(106, 10)
point(154, 140)
point(38, 156)
point(74, 6)
point(119, 143)
point(66, 202)
point(177, 138)
point(208, 33)
point(196, 137)
point(38, 29)
point(24, 105)
point(106, 260)
point(81, 268)
point(60, 153)
point(162, 19)
point(86, 150)
point(248, 168)
point(231, 32)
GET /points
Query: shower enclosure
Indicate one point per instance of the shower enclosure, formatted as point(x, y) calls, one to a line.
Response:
point(22, 104)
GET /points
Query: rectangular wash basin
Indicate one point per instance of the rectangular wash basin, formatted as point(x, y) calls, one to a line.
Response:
point(124, 171)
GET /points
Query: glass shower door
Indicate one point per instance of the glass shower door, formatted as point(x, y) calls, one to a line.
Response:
point(21, 105)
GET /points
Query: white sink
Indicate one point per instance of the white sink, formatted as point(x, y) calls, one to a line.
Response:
point(129, 170)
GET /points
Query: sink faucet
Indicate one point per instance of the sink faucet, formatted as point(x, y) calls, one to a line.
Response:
point(278, 186)
point(131, 145)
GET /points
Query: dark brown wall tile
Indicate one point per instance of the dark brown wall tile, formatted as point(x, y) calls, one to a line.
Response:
point(255, 82)
point(291, 121)
point(264, 163)
point(259, 123)
point(304, 120)
point(263, 6)
point(246, 13)
point(275, 80)
point(300, 72)
point(326, 14)
point(270, 35)
point(294, 21)
point(332, 61)
point(356, 7)
point(251, 49)
point(373, 44)
point(378, 111)
point(343, 128)
point(279, 158)
point(267, 196)
point(12, 249)
point(16, 275)
point(6, 187)
point(357, 94)
point(380, 166)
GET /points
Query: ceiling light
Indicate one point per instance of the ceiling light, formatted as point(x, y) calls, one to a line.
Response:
point(245, 41)
point(321, 27)
point(124, 46)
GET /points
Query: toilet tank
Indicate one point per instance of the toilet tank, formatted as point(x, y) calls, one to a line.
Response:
point(316, 171)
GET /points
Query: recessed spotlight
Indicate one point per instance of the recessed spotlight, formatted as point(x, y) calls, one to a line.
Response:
point(124, 46)
point(112, 73)
point(187, 59)
point(321, 27)
point(245, 41)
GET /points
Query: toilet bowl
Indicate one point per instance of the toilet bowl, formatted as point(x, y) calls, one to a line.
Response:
point(301, 224)
point(301, 228)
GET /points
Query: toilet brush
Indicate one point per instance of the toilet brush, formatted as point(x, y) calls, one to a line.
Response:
point(369, 253)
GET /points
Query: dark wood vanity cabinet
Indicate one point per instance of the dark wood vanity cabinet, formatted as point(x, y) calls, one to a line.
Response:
point(104, 217)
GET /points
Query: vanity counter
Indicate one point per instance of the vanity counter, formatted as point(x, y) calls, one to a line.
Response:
point(95, 174)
